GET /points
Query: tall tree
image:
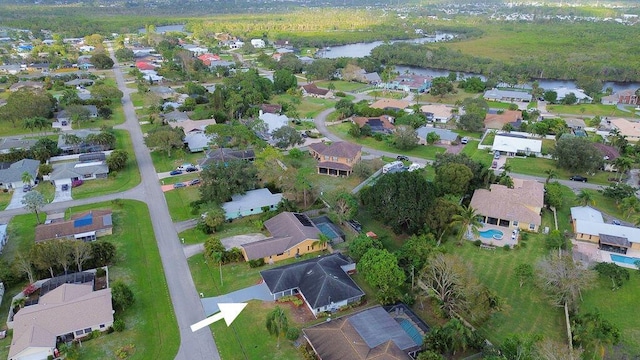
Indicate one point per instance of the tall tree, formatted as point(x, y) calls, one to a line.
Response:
point(594, 332)
point(284, 80)
point(381, 270)
point(81, 253)
point(25, 104)
point(277, 323)
point(361, 244)
point(577, 154)
point(34, 201)
point(222, 180)
point(122, 296)
point(467, 221)
point(453, 179)
point(287, 136)
point(165, 139)
point(346, 206)
point(405, 137)
point(563, 280)
point(24, 264)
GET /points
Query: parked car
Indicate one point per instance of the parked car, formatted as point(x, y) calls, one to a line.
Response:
point(191, 169)
point(65, 187)
point(26, 188)
point(355, 225)
point(176, 172)
point(494, 165)
point(578, 178)
point(616, 222)
point(179, 185)
point(496, 155)
point(184, 167)
point(464, 140)
point(194, 182)
point(402, 158)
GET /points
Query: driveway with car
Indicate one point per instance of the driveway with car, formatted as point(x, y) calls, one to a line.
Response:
point(63, 193)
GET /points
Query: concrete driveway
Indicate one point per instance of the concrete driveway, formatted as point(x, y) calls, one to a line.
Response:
point(255, 292)
point(62, 195)
point(16, 200)
point(239, 240)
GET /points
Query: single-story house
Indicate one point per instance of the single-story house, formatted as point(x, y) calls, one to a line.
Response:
point(197, 141)
point(69, 312)
point(252, 202)
point(145, 65)
point(164, 92)
point(66, 173)
point(79, 82)
point(208, 58)
point(498, 121)
point(390, 104)
point(195, 49)
point(507, 96)
point(11, 69)
point(86, 226)
point(11, 177)
point(314, 91)
point(68, 147)
point(322, 282)
point(382, 124)
point(378, 333)
point(446, 136)
point(38, 85)
point(292, 235)
point(510, 145)
point(189, 125)
point(589, 225)
point(562, 92)
point(226, 154)
point(63, 117)
point(630, 129)
point(258, 43)
point(6, 144)
point(175, 116)
point(336, 159)
point(609, 99)
point(271, 108)
point(437, 112)
point(273, 121)
point(518, 207)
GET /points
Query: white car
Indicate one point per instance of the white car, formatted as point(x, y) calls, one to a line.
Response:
point(415, 166)
point(184, 167)
point(464, 140)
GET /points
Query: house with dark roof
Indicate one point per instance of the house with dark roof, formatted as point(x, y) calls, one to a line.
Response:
point(378, 333)
point(86, 226)
point(11, 177)
point(69, 312)
point(271, 108)
point(381, 124)
point(314, 91)
point(226, 154)
point(292, 235)
point(322, 282)
point(336, 159)
point(6, 144)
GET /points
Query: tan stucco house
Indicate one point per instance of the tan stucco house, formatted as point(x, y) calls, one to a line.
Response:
point(588, 225)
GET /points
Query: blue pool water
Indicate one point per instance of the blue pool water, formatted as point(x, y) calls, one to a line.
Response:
point(411, 330)
point(489, 234)
point(624, 259)
point(327, 230)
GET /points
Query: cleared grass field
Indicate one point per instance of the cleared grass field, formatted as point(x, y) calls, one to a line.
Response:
point(537, 166)
point(590, 110)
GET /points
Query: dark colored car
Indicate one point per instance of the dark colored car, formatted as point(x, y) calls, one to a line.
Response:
point(191, 169)
point(194, 182)
point(402, 158)
point(355, 225)
point(175, 172)
point(578, 178)
point(26, 188)
point(65, 187)
point(178, 185)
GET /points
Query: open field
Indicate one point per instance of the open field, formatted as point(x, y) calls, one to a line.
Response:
point(347, 86)
point(178, 201)
point(589, 110)
point(151, 325)
point(537, 166)
point(309, 107)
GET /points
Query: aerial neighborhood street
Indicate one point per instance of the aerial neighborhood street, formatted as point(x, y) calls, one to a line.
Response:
point(291, 186)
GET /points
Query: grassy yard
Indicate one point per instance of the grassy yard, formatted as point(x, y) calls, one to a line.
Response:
point(498, 105)
point(242, 226)
point(117, 118)
point(347, 86)
point(548, 145)
point(178, 201)
point(588, 110)
point(488, 140)
point(47, 189)
point(5, 198)
point(537, 166)
point(309, 107)
point(606, 205)
point(448, 98)
point(123, 180)
point(483, 156)
point(151, 324)
point(421, 151)
point(137, 99)
point(7, 129)
point(525, 310)
point(387, 94)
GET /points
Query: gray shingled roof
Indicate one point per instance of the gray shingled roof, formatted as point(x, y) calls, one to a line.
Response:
point(321, 280)
point(15, 170)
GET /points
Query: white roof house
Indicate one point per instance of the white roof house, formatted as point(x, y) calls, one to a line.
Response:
point(580, 95)
point(274, 121)
point(258, 43)
point(586, 213)
point(252, 202)
point(507, 95)
point(512, 145)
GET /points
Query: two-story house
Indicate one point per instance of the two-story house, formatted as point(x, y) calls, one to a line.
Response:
point(336, 159)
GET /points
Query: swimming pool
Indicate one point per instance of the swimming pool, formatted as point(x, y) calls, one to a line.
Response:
point(411, 330)
point(327, 230)
point(492, 234)
point(624, 259)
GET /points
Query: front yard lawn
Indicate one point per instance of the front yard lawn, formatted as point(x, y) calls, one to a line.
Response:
point(116, 182)
point(163, 163)
point(117, 118)
point(484, 156)
point(420, 151)
point(309, 107)
point(178, 201)
point(537, 166)
point(347, 86)
point(5, 199)
point(246, 225)
point(389, 94)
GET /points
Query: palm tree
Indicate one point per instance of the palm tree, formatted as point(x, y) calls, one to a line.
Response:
point(323, 240)
point(26, 178)
point(630, 206)
point(622, 164)
point(460, 335)
point(277, 323)
point(506, 168)
point(586, 198)
point(468, 221)
point(551, 174)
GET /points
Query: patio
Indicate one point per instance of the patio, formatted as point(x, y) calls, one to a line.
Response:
point(508, 237)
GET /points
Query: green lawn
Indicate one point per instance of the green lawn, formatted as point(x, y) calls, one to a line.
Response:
point(588, 110)
point(448, 98)
point(483, 156)
point(389, 94)
point(163, 163)
point(605, 204)
point(347, 86)
point(47, 189)
point(137, 99)
point(548, 145)
point(309, 107)
point(471, 134)
point(5, 198)
point(7, 129)
point(488, 140)
point(151, 324)
point(498, 105)
point(537, 166)
point(525, 310)
point(178, 201)
point(123, 180)
point(117, 118)
point(421, 151)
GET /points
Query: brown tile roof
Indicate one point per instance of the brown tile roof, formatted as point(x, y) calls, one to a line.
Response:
point(497, 121)
point(271, 108)
point(607, 150)
point(390, 104)
point(287, 230)
point(101, 219)
point(342, 149)
point(66, 309)
point(339, 339)
point(522, 203)
point(313, 89)
point(318, 147)
point(384, 119)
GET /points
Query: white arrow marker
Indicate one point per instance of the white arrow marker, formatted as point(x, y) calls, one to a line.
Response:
point(228, 312)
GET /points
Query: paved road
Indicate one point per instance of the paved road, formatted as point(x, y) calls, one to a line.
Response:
point(186, 301)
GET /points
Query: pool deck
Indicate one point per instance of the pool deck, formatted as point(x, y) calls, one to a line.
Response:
point(594, 254)
point(506, 240)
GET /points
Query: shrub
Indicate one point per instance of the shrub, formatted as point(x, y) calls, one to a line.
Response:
point(256, 263)
point(477, 243)
point(110, 330)
point(118, 325)
point(293, 333)
point(95, 334)
point(507, 247)
point(378, 136)
point(30, 289)
point(340, 94)
point(100, 272)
